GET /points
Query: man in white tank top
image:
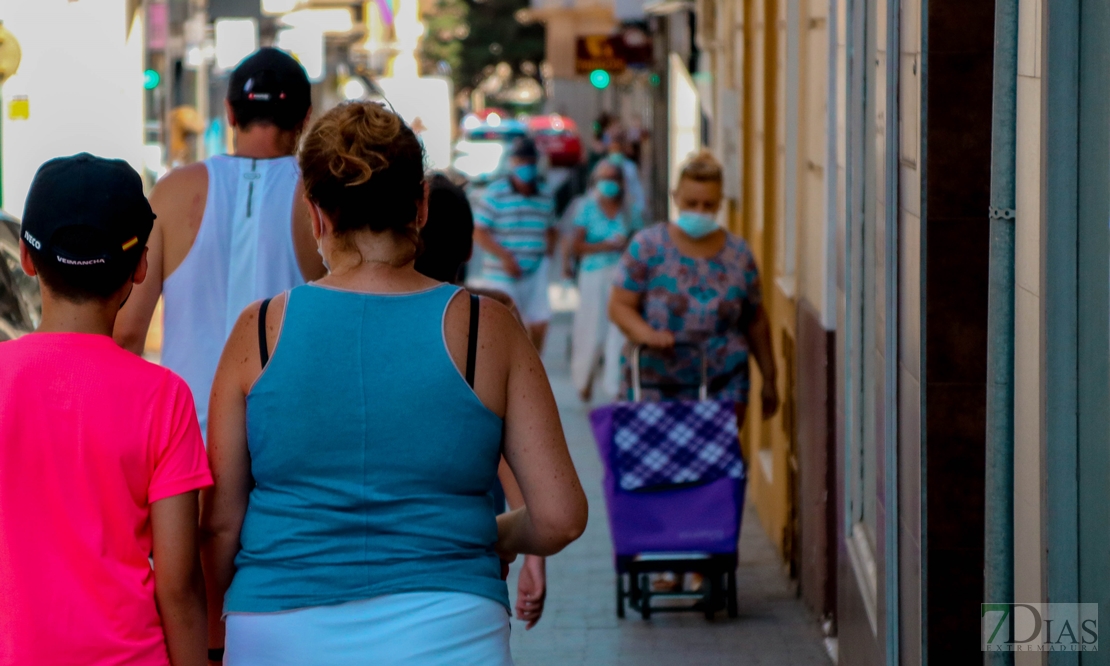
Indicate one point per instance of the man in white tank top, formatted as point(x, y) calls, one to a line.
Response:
point(230, 230)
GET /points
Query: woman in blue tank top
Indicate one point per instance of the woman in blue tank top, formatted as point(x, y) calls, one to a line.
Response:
point(356, 425)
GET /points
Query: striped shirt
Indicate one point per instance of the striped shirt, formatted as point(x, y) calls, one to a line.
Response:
point(518, 222)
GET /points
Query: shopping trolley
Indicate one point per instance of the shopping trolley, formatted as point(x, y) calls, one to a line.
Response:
point(691, 522)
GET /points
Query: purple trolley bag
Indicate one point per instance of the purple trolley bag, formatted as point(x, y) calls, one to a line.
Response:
point(681, 527)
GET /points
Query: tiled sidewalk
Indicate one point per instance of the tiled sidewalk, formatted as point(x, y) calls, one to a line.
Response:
point(580, 624)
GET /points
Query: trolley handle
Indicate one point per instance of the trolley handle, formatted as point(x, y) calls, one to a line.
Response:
point(703, 387)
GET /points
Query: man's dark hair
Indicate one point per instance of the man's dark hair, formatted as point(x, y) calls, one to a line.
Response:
point(81, 284)
point(283, 117)
point(449, 232)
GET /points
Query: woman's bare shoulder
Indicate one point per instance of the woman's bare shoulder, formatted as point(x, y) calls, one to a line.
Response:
point(241, 351)
point(499, 297)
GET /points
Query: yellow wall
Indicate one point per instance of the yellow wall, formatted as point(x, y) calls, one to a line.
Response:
point(747, 44)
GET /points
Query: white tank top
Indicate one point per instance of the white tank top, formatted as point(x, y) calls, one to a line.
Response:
point(243, 252)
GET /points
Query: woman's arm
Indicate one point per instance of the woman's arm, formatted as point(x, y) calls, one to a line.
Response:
point(225, 503)
point(178, 582)
point(759, 337)
point(581, 247)
point(555, 510)
point(624, 311)
point(531, 588)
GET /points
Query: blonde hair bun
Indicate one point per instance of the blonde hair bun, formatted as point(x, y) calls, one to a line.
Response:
point(702, 167)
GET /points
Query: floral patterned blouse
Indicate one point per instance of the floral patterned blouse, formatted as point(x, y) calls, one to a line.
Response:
point(709, 302)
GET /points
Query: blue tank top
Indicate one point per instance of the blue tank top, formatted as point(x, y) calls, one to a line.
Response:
point(373, 460)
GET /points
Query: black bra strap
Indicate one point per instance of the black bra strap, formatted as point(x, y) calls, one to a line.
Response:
point(472, 344)
point(263, 347)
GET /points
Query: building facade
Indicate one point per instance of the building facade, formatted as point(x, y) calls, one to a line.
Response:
point(864, 140)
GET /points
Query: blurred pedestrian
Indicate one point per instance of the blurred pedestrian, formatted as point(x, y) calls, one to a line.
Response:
point(448, 238)
point(515, 226)
point(231, 229)
point(602, 228)
point(635, 137)
point(185, 127)
point(348, 523)
point(692, 281)
point(597, 150)
point(100, 454)
point(616, 143)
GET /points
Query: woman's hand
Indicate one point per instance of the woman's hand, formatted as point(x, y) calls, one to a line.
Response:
point(657, 340)
point(531, 590)
point(511, 266)
point(624, 311)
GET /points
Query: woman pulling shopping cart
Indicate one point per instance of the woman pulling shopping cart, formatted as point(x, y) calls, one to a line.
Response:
point(693, 281)
point(687, 296)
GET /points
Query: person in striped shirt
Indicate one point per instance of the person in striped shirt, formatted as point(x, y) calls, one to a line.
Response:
point(514, 223)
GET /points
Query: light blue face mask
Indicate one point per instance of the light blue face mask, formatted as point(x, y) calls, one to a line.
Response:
point(616, 158)
point(610, 189)
point(696, 225)
point(526, 173)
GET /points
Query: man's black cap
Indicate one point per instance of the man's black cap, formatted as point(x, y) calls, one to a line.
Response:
point(100, 200)
point(271, 76)
point(524, 148)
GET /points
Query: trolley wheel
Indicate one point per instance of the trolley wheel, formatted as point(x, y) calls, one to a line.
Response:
point(620, 596)
point(645, 597)
point(733, 604)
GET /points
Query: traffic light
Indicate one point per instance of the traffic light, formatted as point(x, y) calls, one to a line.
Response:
point(600, 79)
point(151, 79)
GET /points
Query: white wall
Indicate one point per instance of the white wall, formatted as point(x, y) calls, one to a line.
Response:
point(82, 75)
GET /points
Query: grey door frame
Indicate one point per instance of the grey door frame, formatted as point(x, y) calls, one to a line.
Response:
point(1076, 305)
point(1094, 310)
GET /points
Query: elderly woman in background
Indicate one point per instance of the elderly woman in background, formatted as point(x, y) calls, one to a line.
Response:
point(602, 228)
point(690, 281)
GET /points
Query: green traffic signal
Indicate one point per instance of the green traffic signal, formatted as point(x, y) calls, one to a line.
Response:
point(151, 79)
point(600, 79)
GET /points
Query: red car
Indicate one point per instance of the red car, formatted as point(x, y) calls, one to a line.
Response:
point(557, 136)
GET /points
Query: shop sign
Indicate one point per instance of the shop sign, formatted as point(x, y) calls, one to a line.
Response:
point(599, 52)
point(613, 53)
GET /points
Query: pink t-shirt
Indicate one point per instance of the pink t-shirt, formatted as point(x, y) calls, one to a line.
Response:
point(90, 436)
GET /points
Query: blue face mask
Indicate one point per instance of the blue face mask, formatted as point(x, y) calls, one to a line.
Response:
point(526, 173)
point(616, 158)
point(610, 189)
point(696, 225)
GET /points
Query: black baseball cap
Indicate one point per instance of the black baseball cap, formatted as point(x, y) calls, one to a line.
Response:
point(101, 198)
point(271, 76)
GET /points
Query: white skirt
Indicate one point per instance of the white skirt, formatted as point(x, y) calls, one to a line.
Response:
point(409, 629)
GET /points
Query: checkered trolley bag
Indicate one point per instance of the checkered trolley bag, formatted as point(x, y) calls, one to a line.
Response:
point(674, 488)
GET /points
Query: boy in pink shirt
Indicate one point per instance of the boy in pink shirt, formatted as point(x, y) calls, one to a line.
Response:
point(100, 453)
